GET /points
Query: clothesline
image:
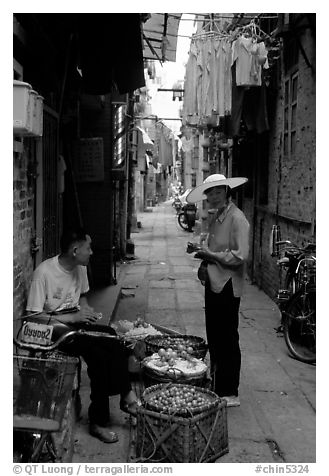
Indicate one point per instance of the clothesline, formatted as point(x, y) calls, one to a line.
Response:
point(251, 29)
point(261, 36)
point(221, 17)
point(210, 34)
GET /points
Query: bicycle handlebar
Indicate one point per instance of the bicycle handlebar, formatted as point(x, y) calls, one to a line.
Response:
point(310, 247)
point(60, 340)
point(55, 345)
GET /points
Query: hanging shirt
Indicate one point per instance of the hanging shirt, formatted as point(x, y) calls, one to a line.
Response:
point(190, 109)
point(250, 58)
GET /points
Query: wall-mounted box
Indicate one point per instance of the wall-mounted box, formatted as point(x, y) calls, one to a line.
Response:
point(32, 105)
point(38, 117)
point(28, 110)
point(22, 121)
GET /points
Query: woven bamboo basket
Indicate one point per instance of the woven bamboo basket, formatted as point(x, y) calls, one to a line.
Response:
point(193, 438)
point(154, 344)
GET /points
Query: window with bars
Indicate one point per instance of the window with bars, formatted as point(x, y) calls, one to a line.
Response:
point(290, 114)
point(290, 57)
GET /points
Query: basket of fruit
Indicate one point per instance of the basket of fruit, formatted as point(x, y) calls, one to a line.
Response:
point(169, 366)
point(179, 399)
point(135, 330)
point(181, 344)
point(181, 423)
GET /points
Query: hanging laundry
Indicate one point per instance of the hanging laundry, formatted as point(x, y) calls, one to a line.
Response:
point(250, 57)
point(207, 81)
point(187, 144)
point(248, 104)
point(190, 82)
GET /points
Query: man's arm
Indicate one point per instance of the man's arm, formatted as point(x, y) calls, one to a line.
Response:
point(86, 314)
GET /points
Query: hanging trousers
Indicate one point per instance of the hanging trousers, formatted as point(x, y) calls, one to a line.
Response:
point(107, 368)
point(222, 322)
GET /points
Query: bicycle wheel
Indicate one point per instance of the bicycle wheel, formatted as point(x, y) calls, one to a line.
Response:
point(299, 326)
point(182, 221)
point(291, 284)
point(61, 445)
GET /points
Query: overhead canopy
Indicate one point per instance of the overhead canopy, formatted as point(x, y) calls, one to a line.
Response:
point(100, 51)
point(160, 36)
point(111, 50)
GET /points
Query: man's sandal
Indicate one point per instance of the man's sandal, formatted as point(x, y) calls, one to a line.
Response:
point(103, 434)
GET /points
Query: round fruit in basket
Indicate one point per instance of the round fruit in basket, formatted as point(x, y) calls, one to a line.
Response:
point(182, 367)
point(179, 399)
point(192, 345)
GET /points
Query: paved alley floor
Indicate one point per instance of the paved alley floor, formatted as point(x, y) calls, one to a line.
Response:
point(276, 421)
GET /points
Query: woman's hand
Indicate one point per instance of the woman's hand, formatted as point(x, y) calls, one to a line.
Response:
point(205, 254)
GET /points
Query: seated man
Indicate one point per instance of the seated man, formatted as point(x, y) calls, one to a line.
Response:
point(61, 283)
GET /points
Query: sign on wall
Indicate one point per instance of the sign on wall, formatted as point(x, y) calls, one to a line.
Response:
point(89, 160)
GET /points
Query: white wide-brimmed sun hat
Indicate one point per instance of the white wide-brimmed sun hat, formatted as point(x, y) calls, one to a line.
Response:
point(214, 180)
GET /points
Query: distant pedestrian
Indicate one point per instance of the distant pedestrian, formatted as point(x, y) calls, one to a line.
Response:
point(225, 253)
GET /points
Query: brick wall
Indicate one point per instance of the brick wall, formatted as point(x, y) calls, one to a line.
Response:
point(291, 189)
point(23, 226)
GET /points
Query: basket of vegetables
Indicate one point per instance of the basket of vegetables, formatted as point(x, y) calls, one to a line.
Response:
point(181, 344)
point(170, 366)
point(181, 423)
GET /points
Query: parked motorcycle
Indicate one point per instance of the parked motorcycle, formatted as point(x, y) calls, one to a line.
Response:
point(177, 204)
point(45, 381)
point(297, 298)
point(46, 389)
point(186, 218)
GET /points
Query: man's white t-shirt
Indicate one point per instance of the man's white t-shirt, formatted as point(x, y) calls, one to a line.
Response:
point(53, 288)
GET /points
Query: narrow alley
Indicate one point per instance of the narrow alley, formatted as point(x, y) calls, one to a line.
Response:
point(117, 117)
point(276, 419)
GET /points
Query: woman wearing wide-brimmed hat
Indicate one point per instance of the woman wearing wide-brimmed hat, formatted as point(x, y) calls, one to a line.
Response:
point(225, 255)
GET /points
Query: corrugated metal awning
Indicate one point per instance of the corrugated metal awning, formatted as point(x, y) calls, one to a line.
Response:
point(160, 36)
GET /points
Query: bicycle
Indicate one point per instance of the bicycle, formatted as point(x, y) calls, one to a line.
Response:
point(297, 300)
